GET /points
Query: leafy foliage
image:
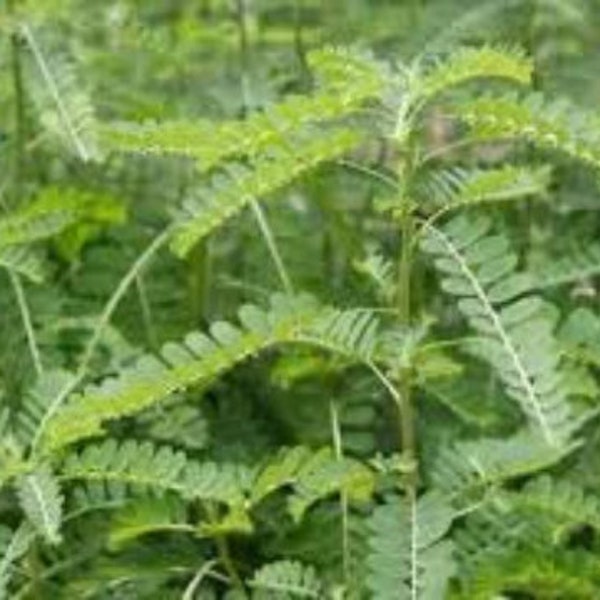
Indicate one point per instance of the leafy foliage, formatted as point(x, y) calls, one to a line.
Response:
point(23, 261)
point(552, 127)
point(407, 558)
point(286, 579)
point(347, 80)
point(473, 63)
point(199, 359)
point(13, 545)
point(225, 198)
point(458, 188)
point(575, 266)
point(172, 426)
point(55, 210)
point(65, 108)
point(41, 500)
point(517, 332)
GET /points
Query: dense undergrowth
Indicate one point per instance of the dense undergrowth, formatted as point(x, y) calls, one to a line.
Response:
point(299, 300)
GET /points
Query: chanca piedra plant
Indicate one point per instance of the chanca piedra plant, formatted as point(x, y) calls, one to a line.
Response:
point(424, 430)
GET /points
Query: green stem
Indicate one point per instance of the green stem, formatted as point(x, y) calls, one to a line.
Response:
point(224, 554)
point(269, 239)
point(190, 591)
point(34, 350)
point(228, 564)
point(146, 310)
point(35, 570)
point(336, 434)
point(407, 410)
point(299, 44)
point(18, 177)
point(130, 277)
point(407, 416)
point(243, 19)
point(19, 107)
point(245, 28)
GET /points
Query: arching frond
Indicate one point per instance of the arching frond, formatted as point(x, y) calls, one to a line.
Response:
point(408, 559)
point(228, 194)
point(322, 475)
point(310, 476)
point(53, 210)
point(454, 188)
point(31, 225)
point(200, 358)
point(94, 495)
point(557, 126)
point(467, 469)
point(517, 336)
point(352, 332)
point(142, 466)
point(148, 515)
point(537, 572)
point(346, 79)
point(562, 503)
point(286, 580)
point(466, 64)
point(352, 76)
point(568, 268)
point(183, 425)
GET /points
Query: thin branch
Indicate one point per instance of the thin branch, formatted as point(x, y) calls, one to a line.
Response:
point(34, 350)
point(20, 123)
point(389, 386)
point(146, 311)
point(269, 238)
point(336, 434)
point(190, 590)
point(119, 292)
point(103, 321)
point(381, 177)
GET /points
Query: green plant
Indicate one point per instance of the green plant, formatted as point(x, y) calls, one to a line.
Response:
point(316, 445)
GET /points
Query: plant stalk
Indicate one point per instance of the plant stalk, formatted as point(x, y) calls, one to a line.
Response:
point(244, 16)
point(227, 563)
point(19, 108)
point(336, 434)
point(407, 410)
point(25, 313)
point(407, 414)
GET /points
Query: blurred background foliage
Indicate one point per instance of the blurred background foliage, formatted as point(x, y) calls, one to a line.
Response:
point(179, 59)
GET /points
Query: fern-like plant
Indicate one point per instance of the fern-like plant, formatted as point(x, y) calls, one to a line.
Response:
point(221, 464)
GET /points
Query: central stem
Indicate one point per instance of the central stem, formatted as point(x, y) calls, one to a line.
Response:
point(407, 411)
point(19, 107)
point(245, 29)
